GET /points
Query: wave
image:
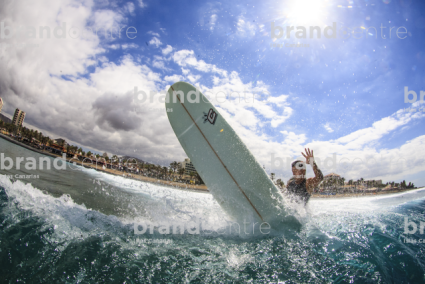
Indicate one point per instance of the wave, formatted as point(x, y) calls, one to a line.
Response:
point(55, 239)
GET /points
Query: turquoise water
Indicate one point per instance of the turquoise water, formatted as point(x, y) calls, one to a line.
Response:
point(77, 226)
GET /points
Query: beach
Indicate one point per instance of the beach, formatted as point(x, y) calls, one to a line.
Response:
point(111, 171)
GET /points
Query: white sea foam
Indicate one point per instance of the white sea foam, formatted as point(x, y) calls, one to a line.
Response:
point(365, 203)
point(72, 220)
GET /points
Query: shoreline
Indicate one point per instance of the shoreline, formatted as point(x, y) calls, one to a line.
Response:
point(177, 185)
point(201, 188)
point(360, 195)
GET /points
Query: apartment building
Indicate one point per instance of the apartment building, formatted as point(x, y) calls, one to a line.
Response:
point(18, 117)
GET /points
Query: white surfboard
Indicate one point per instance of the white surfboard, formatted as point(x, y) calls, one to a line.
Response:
point(231, 173)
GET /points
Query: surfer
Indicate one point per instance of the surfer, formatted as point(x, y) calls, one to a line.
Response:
point(298, 185)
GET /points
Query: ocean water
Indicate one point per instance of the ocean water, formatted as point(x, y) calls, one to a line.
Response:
point(77, 226)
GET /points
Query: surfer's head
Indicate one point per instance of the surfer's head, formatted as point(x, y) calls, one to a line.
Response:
point(298, 169)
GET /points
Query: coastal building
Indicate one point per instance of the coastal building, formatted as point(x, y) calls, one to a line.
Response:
point(58, 146)
point(1, 104)
point(366, 183)
point(5, 119)
point(18, 117)
point(187, 166)
point(332, 180)
point(332, 177)
point(60, 142)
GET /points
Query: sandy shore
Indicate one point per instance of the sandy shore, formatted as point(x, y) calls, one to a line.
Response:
point(345, 195)
point(140, 177)
point(111, 171)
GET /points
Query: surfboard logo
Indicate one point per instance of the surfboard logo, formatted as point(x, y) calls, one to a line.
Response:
point(211, 116)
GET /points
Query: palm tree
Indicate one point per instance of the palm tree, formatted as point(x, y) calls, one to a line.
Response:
point(174, 165)
point(114, 160)
point(61, 143)
point(181, 172)
point(14, 129)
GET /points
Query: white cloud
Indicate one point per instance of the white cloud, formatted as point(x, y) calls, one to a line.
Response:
point(362, 137)
point(186, 58)
point(114, 46)
point(155, 41)
point(328, 128)
point(193, 78)
point(103, 59)
point(160, 65)
point(130, 7)
point(292, 138)
point(104, 20)
point(141, 4)
point(173, 79)
point(158, 62)
point(127, 46)
point(280, 101)
point(245, 28)
point(167, 50)
point(213, 20)
point(96, 110)
point(358, 154)
point(249, 98)
point(153, 33)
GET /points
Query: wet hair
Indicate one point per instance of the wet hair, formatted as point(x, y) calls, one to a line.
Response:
point(295, 162)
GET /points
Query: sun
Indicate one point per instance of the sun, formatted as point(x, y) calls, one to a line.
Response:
point(306, 12)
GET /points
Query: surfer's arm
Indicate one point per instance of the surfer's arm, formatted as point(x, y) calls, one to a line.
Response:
point(313, 182)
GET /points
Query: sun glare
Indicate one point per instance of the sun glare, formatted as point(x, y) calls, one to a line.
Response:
point(306, 12)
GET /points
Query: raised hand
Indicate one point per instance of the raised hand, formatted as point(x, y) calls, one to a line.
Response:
point(309, 159)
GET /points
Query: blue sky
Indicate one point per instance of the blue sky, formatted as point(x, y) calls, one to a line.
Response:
point(337, 96)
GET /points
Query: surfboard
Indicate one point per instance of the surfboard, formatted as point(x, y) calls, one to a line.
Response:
point(232, 174)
